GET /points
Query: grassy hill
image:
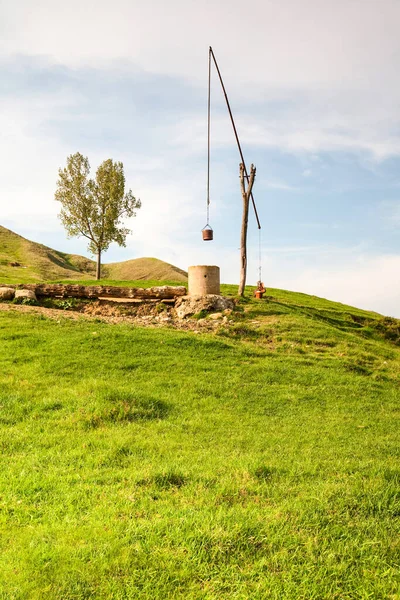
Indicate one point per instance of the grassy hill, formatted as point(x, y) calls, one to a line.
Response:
point(261, 461)
point(144, 269)
point(21, 259)
point(28, 262)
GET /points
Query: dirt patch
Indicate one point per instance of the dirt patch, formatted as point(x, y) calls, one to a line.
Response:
point(51, 313)
point(143, 315)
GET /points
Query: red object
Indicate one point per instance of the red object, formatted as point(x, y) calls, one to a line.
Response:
point(260, 291)
point(207, 233)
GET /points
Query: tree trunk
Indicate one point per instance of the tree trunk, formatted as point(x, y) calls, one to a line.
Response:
point(98, 266)
point(245, 218)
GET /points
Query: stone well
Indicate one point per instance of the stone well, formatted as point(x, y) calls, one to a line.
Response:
point(203, 280)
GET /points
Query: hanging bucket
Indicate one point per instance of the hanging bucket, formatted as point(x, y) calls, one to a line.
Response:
point(207, 233)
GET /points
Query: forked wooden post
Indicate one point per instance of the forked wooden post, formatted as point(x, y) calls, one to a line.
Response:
point(246, 194)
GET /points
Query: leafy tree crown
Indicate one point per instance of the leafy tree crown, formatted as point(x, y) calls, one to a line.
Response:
point(94, 208)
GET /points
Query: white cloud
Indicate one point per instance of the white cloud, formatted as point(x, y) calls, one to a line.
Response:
point(276, 185)
point(309, 42)
point(308, 126)
point(347, 276)
point(331, 68)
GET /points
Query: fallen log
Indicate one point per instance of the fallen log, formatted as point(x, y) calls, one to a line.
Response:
point(58, 290)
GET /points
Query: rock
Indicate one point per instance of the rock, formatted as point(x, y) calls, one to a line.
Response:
point(6, 293)
point(25, 294)
point(186, 306)
point(216, 316)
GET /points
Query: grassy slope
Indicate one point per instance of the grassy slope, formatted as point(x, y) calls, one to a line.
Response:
point(264, 465)
point(142, 268)
point(40, 263)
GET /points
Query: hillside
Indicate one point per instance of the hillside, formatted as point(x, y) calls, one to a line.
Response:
point(143, 268)
point(258, 461)
point(22, 260)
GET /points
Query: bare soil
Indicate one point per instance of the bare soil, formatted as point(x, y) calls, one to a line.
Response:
point(143, 315)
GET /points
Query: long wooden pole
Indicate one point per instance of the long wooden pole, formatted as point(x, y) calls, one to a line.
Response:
point(208, 138)
point(236, 135)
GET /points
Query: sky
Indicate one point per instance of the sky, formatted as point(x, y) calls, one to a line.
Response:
point(315, 91)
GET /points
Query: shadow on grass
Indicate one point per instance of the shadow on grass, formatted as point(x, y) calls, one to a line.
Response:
point(241, 332)
point(123, 408)
point(357, 368)
point(388, 328)
point(165, 481)
point(264, 473)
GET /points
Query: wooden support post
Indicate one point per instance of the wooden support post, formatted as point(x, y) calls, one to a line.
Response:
point(245, 218)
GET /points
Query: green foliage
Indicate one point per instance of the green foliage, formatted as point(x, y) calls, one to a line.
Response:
point(161, 307)
point(93, 208)
point(143, 463)
point(25, 301)
point(29, 302)
point(202, 314)
point(67, 304)
point(62, 303)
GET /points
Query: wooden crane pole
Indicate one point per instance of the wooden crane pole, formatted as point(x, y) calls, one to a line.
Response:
point(211, 53)
point(244, 178)
point(243, 237)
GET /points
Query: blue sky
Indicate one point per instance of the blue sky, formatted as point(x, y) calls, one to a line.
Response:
point(314, 88)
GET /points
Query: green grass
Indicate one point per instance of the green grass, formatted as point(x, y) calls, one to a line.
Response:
point(259, 462)
point(35, 262)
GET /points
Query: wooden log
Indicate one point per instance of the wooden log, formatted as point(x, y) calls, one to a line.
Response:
point(58, 290)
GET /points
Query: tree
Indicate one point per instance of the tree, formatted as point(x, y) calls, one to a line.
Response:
point(243, 238)
point(94, 208)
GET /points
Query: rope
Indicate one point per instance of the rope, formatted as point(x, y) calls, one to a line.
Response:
point(208, 137)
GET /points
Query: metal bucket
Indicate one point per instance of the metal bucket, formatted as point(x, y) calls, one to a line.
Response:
point(207, 233)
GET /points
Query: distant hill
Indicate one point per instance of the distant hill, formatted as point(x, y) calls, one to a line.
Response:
point(144, 268)
point(29, 262)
